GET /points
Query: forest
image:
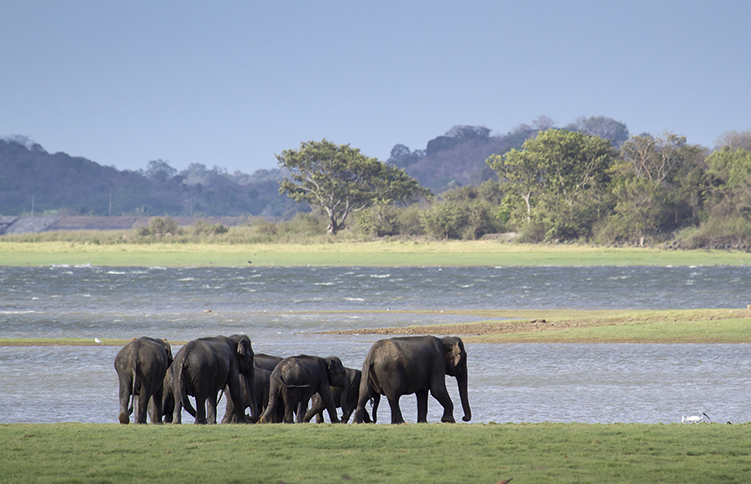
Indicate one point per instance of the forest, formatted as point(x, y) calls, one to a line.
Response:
point(589, 181)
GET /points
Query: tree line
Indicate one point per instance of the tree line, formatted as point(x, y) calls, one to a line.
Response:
point(33, 181)
point(560, 185)
point(589, 181)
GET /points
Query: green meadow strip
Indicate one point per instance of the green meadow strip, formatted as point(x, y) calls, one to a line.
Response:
point(412, 453)
point(381, 253)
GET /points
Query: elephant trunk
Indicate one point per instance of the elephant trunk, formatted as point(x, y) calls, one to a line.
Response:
point(344, 404)
point(461, 381)
point(250, 387)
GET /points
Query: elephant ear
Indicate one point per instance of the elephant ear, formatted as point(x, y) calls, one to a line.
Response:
point(242, 348)
point(453, 356)
point(168, 349)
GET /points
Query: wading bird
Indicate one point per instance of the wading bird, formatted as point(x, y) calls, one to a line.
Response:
point(695, 418)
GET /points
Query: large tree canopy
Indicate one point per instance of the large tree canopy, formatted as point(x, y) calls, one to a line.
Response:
point(560, 175)
point(341, 180)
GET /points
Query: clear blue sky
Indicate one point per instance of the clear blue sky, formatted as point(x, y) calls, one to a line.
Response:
point(231, 83)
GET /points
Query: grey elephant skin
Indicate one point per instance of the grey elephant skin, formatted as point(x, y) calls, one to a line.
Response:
point(402, 366)
point(296, 379)
point(141, 366)
point(264, 365)
point(205, 366)
point(317, 406)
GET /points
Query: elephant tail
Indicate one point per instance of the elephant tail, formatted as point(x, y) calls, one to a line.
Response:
point(366, 389)
point(133, 360)
point(181, 388)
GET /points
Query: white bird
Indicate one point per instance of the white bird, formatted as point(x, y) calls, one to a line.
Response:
point(695, 418)
point(97, 340)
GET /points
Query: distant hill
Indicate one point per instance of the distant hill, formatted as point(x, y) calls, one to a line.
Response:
point(458, 157)
point(33, 180)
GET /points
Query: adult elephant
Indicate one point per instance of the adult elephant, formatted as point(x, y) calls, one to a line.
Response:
point(267, 362)
point(401, 366)
point(347, 404)
point(203, 367)
point(141, 366)
point(297, 378)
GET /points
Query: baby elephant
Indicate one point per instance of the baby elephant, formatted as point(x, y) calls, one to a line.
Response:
point(141, 366)
point(346, 398)
point(296, 379)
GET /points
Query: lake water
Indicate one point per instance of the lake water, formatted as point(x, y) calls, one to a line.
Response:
point(278, 308)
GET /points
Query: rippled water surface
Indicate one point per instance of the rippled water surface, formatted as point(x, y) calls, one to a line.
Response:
point(278, 308)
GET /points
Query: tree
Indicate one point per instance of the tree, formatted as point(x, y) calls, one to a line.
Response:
point(734, 140)
point(557, 164)
point(160, 170)
point(468, 132)
point(601, 126)
point(341, 180)
point(654, 158)
point(521, 173)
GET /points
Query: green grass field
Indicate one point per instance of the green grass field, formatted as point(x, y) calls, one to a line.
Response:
point(424, 453)
point(382, 253)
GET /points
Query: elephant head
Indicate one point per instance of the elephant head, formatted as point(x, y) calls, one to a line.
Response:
point(246, 368)
point(168, 349)
point(456, 366)
point(336, 372)
point(338, 377)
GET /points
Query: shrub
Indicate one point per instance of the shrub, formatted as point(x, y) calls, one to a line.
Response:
point(379, 220)
point(717, 233)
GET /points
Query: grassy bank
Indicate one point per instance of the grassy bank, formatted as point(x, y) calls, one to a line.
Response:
point(380, 253)
point(598, 326)
point(537, 326)
point(477, 453)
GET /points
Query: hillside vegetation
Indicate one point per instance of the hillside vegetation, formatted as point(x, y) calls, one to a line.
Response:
point(589, 182)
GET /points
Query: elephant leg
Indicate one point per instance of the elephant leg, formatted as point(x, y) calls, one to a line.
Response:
point(211, 410)
point(396, 412)
point(155, 406)
point(440, 393)
point(289, 405)
point(124, 418)
point(376, 402)
point(302, 408)
point(200, 410)
point(422, 406)
point(289, 412)
point(177, 412)
point(316, 408)
point(143, 406)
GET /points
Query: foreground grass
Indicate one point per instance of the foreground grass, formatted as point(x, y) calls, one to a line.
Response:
point(381, 253)
point(477, 453)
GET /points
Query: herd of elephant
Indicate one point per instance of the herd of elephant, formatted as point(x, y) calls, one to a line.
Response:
point(279, 389)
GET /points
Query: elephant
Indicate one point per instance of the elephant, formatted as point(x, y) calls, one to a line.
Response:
point(141, 366)
point(353, 387)
point(264, 365)
point(297, 378)
point(203, 367)
point(267, 362)
point(401, 366)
